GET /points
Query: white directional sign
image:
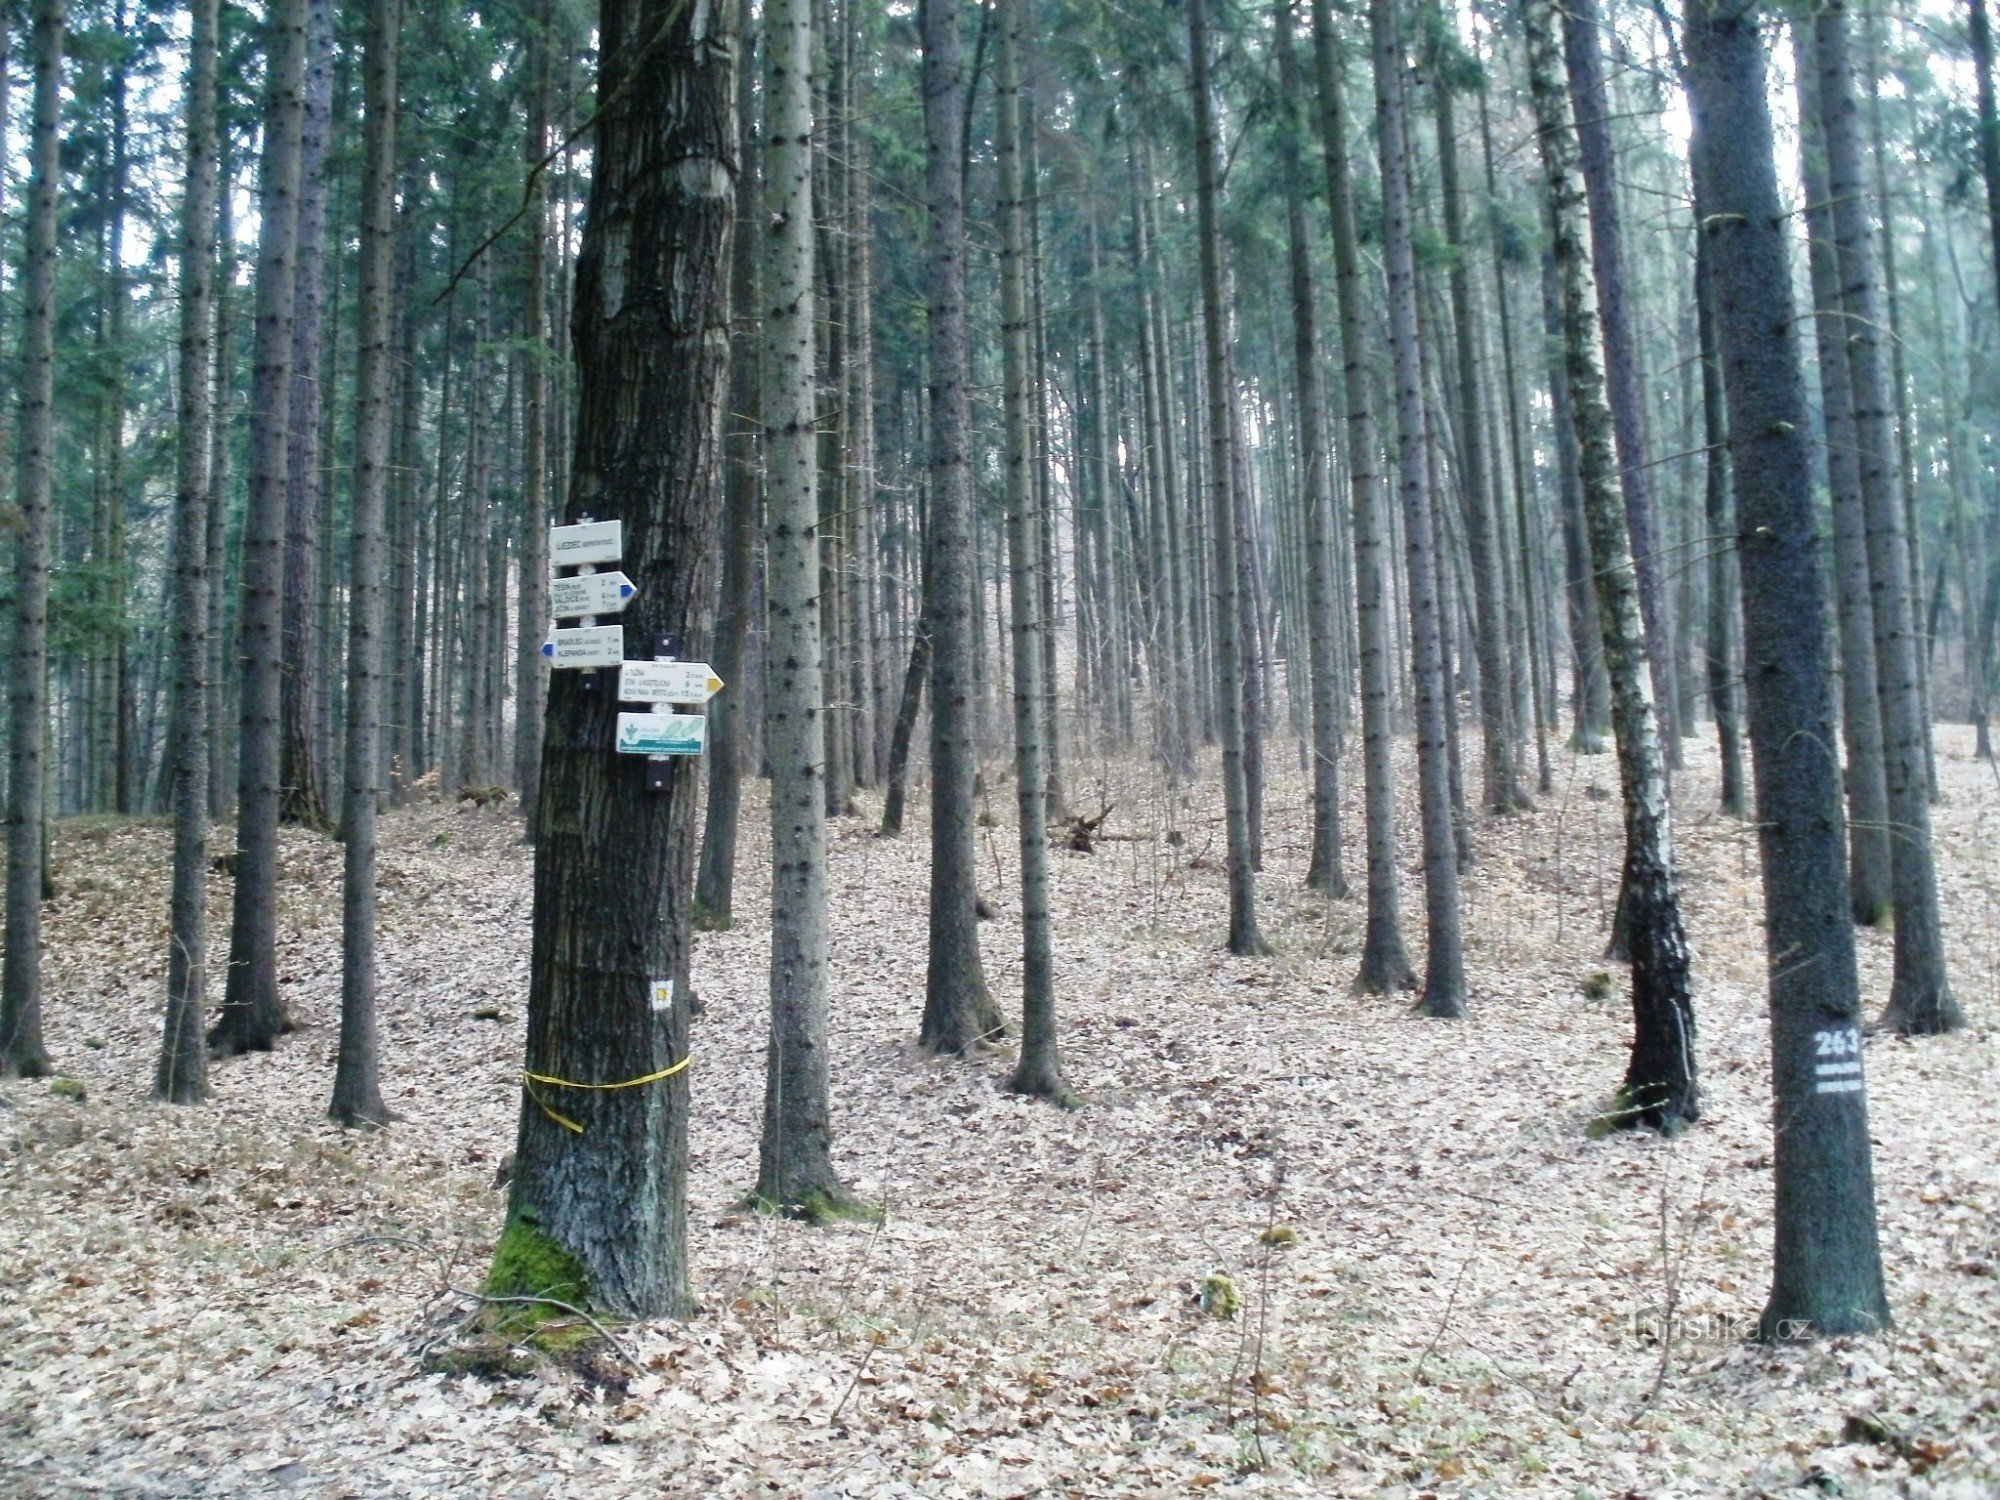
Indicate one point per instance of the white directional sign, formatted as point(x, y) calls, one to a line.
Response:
point(590, 542)
point(662, 734)
point(590, 594)
point(587, 646)
point(667, 682)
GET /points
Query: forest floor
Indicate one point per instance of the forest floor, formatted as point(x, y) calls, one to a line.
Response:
point(239, 1299)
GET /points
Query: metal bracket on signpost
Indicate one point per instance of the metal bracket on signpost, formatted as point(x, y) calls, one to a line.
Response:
point(591, 680)
point(665, 648)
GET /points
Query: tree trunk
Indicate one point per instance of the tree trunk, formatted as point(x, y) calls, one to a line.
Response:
point(599, 1201)
point(357, 1077)
point(1868, 853)
point(795, 1172)
point(253, 1011)
point(1323, 866)
point(1478, 489)
point(1244, 937)
point(531, 697)
point(22, 1054)
point(302, 775)
point(1920, 998)
point(715, 878)
point(958, 1012)
point(1384, 965)
point(1039, 1071)
point(1582, 23)
point(1660, 1089)
point(1444, 973)
point(1827, 1271)
point(1723, 649)
point(182, 1073)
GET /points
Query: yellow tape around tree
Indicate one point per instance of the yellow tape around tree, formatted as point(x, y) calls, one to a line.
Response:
point(529, 1080)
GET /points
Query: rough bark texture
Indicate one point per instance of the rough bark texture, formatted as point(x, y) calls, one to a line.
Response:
point(531, 698)
point(253, 1011)
point(1384, 964)
point(21, 1051)
point(1660, 1088)
point(1244, 936)
point(1827, 1271)
point(182, 1074)
point(1444, 965)
point(1722, 647)
point(1920, 998)
point(357, 1077)
point(958, 1012)
point(608, 978)
point(795, 1172)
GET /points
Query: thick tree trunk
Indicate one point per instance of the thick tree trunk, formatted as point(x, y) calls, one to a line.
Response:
point(1827, 1270)
point(1444, 972)
point(1660, 1088)
point(795, 1172)
point(181, 1076)
point(1920, 998)
point(253, 1011)
point(1244, 936)
point(600, 1181)
point(958, 1012)
point(357, 1077)
point(1384, 965)
point(22, 1054)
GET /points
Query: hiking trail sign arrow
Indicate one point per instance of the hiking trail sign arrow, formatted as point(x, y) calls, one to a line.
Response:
point(586, 646)
point(667, 682)
point(590, 594)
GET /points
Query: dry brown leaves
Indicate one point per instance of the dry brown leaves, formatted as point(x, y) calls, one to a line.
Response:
point(233, 1300)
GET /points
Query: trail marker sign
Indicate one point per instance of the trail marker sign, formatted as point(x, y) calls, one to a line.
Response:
point(662, 734)
point(586, 542)
point(667, 682)
point(586, 646)
point(590, 594)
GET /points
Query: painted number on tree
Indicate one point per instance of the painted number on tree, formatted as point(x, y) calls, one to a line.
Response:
point(1837, 1065)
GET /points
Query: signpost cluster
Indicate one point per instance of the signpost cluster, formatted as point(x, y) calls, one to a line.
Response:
point(662, 684)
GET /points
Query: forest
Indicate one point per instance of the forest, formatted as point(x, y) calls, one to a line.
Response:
point(1000, 748)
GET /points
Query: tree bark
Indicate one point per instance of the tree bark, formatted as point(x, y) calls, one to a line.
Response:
point(958, 1011)
point(357, 1077)
point(1244, 937)
point(181, 1076)
point(1444, 972)
point(1660, 1089)
point(1384, 965)
point(531, 698)
point(1920, 998)
point(22, 1053)
point(600, 1181)
point(795, 1172)
point(1827, 1268)
point(253, 1011)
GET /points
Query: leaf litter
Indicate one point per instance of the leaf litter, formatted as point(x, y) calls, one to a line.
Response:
point(1297, 1242)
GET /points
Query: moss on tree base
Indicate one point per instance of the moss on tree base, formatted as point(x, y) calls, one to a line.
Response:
point(528, 1263)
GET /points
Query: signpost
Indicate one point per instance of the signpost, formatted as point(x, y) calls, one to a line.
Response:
point(662, 734)
point(587, 542)
point(667, 682)
point(586, 646)
point(590, 594)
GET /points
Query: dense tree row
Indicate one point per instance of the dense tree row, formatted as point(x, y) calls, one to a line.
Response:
point(1028, 383)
